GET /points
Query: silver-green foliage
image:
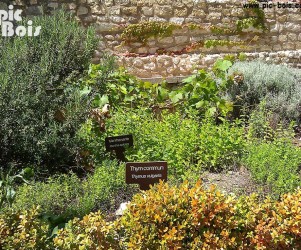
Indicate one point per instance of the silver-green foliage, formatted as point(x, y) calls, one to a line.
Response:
point(278, 85)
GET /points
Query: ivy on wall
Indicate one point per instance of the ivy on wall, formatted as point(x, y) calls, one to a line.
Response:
point(141, 32)
point(213, 43)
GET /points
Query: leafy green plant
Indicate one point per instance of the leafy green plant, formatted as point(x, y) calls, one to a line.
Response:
point(214, 43)
point(274, 163)
point(188, 147)
point(220, 147)
point(120, 88)
point(64, 197)
point(56, 196)
point(39, 112)
point(242, 57)
point(201, 91)
point(172, 138)
point(140, 32)
point(259, 126)
point(8, 182)
point(235, 57)
point(247, 23)
point(255, 17)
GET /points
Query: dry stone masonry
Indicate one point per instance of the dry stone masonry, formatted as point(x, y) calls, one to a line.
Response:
point(183, 50)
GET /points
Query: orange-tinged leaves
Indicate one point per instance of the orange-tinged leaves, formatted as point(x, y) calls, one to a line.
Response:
point(167, 217)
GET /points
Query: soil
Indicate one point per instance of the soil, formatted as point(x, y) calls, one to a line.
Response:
point(238, 182)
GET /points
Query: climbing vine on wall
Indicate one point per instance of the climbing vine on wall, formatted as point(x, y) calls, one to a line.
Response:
point(141, 32)
point(214, 43)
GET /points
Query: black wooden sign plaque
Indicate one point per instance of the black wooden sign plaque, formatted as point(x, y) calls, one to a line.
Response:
point(116, 142)
point(145, 173)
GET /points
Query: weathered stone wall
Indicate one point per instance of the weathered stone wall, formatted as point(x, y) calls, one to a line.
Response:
point(281, 42)
point(168, 66)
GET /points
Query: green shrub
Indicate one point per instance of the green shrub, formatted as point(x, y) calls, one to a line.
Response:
point(67, 196)
point(220, 146)
point(259, 124)
point(39, 114)
point(24, 230)
point(117, 87)
point(172, 139)
point(274, 163)
point(278, 85)
point(106, 187)
point(188, 147)
point(58, 195)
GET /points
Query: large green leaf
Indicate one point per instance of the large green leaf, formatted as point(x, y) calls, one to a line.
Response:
point(129, 98)
point(189, 79)
point(162, 93)
point(85, 91)
point(223, 64)
point(104, 100)
point(123, 90)
point(176, 97)
point(147, 85)
point(199, 104)
point(10, 193)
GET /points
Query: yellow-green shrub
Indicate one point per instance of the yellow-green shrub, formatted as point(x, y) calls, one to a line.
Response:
point(23, 230)
point(168, 217)
point(92, 232)
point(280, 227)
point(186, 218)
point(194, 218)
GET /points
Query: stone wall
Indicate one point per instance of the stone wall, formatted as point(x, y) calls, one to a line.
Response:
point(168, 66)
point(176, 54)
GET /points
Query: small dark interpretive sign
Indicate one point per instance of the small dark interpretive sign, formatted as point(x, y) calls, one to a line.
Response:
point(117, 142)
point(145, 173)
